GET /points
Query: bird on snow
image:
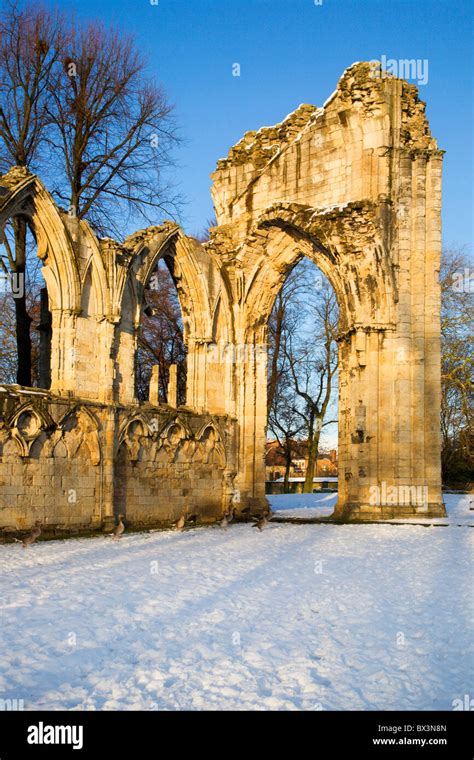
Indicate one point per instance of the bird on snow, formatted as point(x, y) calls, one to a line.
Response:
point(31, 537)
point(119, 529)
point(228, 517)
point(179, 526)
point(261, 522)
point(224, 522)
point(192, 519)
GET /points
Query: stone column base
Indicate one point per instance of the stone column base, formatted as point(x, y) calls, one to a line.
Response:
point(257, 504)
point(108, 523)
point(351, 512)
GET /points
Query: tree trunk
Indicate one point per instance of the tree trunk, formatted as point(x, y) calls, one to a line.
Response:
point(286, 484)
point(44, 360)
point(312, 460)
point(23, 319)
point(273, 379)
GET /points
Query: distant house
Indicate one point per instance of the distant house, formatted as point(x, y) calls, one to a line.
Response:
point(275, 462)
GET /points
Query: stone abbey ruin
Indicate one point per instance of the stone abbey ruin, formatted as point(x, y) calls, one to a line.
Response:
point(356, 187)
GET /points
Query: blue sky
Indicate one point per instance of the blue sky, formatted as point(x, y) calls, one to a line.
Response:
point(291, 52)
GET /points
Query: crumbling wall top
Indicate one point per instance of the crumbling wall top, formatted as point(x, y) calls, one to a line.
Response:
point(260, 146)
point(326, 156)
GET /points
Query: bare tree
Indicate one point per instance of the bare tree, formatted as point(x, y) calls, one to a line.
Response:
point(457, 366)
point(160, 338)
point(30, 41)
point(286, 423)
point(79, 94)
point(303, 359)
point(313, 367)
point(284, 321)
point(115, 131)
point(29, 47)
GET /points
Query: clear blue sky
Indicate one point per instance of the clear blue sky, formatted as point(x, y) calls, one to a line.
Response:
point(292, 52)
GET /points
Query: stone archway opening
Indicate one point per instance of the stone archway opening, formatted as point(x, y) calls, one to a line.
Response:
point(26, 325)
point(277, 247)
point(161, 354)
point(302, 387)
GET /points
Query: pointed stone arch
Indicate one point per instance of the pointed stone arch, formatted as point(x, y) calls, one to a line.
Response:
point(134, 424)
point(27, 424)
point(210, 449)
point(140, 254)
point(175, 427)
point(78, 411)
point(94, 267)
point(345, 243)
point(133, 434)
point(168, 242)
point(38, 446)
point(208, 427)
point(45, 421)
point(80, 428)
point(60, 450)
point(25, 195)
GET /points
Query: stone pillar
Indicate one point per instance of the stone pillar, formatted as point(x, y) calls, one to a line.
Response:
point(210, 376)
point(196, 374)
point(173, 386)
point(251, 384)
point(108, 469)
point(125, 358)
point(154, 392)
point(432, 331)
point(106, 390)
point(63, 351)
point(381, 474)
point(358, 421)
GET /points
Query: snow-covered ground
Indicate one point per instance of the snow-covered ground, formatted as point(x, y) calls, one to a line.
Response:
point(322, 504)
point(309, 616)
point(303, 504)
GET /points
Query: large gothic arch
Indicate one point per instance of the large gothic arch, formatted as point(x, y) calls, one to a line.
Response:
point(362, 279)
point(356, 186)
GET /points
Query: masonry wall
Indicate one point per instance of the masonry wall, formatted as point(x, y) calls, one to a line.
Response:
point(74, 466)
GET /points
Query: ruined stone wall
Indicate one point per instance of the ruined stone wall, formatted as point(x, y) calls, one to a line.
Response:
point(75, 456)
point(356, 187)
point(75, 465)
